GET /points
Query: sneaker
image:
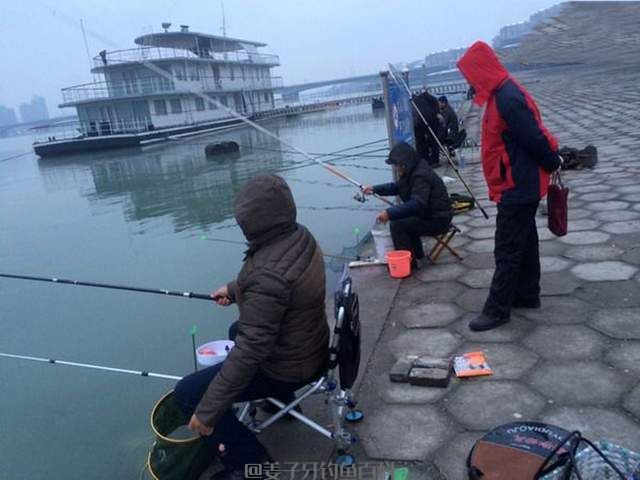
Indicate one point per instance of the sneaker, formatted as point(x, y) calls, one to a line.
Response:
point(520, 303)
point(485, 322)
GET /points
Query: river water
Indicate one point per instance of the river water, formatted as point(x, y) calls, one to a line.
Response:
point(138, 217)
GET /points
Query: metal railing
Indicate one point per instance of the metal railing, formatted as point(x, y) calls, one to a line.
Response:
point(154, 85)
point(143, 54)
point(81, 129)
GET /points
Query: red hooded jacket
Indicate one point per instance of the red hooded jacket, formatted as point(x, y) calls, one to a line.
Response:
point(518, 152)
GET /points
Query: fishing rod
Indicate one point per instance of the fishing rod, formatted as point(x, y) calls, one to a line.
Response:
point(140, 373)
point(366, 154)
point(200, 296)
point(400, 81)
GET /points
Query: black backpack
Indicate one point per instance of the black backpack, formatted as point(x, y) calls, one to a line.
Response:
point(348, 357)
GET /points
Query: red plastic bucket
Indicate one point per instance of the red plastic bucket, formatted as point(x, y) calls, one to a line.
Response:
point(399, 262)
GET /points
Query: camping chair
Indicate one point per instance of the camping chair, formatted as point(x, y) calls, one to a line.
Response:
point(344, 354)
point(442, 243)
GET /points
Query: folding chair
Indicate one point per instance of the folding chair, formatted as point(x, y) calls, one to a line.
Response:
point(442, 242)
point(344, 354)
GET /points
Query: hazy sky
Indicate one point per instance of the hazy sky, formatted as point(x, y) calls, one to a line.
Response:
point(42, 49)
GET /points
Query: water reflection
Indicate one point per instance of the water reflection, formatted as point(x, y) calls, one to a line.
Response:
point(173, 180)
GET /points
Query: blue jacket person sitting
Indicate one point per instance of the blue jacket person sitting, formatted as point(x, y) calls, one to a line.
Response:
point(425, 207)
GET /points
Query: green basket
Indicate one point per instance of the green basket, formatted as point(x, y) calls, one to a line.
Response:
point(172, 458)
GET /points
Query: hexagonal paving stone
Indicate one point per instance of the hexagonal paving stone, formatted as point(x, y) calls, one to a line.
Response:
point(630, 189)
point(620, 182)
point(415, 292)
point(428, 315)
point(605, 294)
point(622, 323)
point(592, 253)
point(561, 283)
point(632, 256)
point(599, 196)
point(583, 224)
point(451, 458)
point(380, 432)
point(440, 272)
point(591, 188)
point(553, 264)
point(545, 234)
point(479, 260)
point(472, 299)
point(596, 423)
point(513, 331)
point(566, 342)
point(604, 271)
point(559, 310)
point(617, 216)
point(585, 238)
point(481, 233)
point(632, 401)
point(629, 226)
point(579, 383)
point(478, 278)
point(576, 213)
point(608, 205)
point(552, 248)
point(626, 356)
point(509, 361)
point(481, 246)
point(632, 197)
point(483, 405)
point(482, 222)
point(432, 342)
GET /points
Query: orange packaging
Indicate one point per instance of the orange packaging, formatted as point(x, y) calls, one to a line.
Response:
point(471, 364)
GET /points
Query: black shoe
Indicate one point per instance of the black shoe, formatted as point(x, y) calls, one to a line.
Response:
point(532, 303)
point(485, 322)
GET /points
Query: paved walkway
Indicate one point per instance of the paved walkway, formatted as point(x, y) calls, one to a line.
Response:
point(576, 361)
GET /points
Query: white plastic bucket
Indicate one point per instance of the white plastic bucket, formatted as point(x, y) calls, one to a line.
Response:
point(212, 353)
point(383, 242)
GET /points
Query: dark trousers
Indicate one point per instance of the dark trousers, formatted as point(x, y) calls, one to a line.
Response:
point(406, 232)
point(517, 274)
point(426, 146)
point(241, 444)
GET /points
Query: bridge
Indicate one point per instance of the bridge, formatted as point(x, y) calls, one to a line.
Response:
point(418, 78)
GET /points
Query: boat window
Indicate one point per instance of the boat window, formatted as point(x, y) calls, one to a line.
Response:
point(199, 104)
point(160, 107)
point(176, 105)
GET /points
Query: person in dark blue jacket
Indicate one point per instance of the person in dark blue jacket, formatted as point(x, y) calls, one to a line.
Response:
point(425, 207)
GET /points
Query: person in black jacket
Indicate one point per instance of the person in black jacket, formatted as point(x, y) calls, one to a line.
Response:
point(426, 207)
point(450, 127)
point(426, 144)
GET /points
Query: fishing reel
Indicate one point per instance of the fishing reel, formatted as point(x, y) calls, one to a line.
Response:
point(360, 197)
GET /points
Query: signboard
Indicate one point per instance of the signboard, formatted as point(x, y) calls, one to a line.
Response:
point(398, 111)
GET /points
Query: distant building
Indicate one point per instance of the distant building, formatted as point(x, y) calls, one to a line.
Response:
point(7, 116)
point(35, 110)
point(445, 59)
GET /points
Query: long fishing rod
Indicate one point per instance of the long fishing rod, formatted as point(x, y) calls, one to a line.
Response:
point(200, 296)
point(103, 368)
point(366, 154)
point(400, 81)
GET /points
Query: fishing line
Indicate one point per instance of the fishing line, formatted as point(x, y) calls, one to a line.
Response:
point(140, 373)
point(400, 81)
point(359, 155)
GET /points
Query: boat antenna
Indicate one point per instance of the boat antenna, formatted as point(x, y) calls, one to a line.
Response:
point(224, 20)
point(400, 81)
point(86, 46)
point(199, 296)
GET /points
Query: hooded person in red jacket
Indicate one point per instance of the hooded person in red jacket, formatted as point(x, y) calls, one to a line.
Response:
point(518, 155)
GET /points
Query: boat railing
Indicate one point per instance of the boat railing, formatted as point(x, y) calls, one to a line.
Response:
point(142, 54)
point(82, 130)
point(156, 84)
